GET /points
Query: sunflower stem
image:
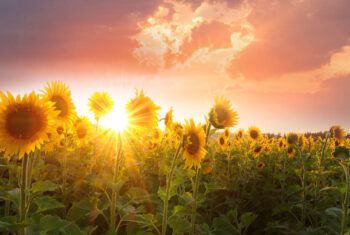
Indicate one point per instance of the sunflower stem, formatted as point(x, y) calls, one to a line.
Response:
point(194, 206)
point(168, 186)
point(112, 223)
point(23, 183)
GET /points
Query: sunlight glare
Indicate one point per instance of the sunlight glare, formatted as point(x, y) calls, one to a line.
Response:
point(117, 119)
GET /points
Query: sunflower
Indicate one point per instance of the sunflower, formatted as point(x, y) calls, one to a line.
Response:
point(338, 133)
point(254, 133)
point(142, 111)
point(267, 148)
point(261, 165)
point(222, 115)
point(207, 169)
point(194, 142)
point(24, 122)
point(157, 135)
point(257, 151)
point(83, 129)
point(60, 95)
point(222, 142)
point(240, 134)
point(178, 129)
point(301, 141)
point(311, 143)
point(281, 143)
point(290, 151)
point(168, 120)
point(100, 104)
point(292, 138)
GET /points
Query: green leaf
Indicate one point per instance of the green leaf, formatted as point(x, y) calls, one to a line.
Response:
point(55, 225)
point(179, 224)
point(335, 212)
point(223, 226)
point(43, 186)
point(212, 187)
point(82, 208)
point(47, 203)
point(248, 218)
point(9, 223)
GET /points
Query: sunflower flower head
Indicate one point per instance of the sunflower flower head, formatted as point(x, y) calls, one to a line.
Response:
point(194, 142)
point(222, 115)
point(142, 111)
point(227, 132)
point(292, 138)
point(338, 133)
point(59, 93)
point(254, 133)
point(240, 134)
point(83, 129)
point(100, 104)
point(281, 143)
point(25, 122)
point(222, 142)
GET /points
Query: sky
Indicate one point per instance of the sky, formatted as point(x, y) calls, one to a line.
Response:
point(283, 64)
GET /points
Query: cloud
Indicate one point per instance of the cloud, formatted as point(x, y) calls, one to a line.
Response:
point(292, 36)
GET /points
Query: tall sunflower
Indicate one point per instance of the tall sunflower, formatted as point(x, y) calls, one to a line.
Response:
point(142, 111)
point(281, 143)
point(227, 132)
point(100, 104)
point(222, 115)
point(240, 134)
point(194, 142)
point(254, 133)
point(60, 95)
point(25, 122)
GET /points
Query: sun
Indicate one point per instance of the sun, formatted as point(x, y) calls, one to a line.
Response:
point(117, 119)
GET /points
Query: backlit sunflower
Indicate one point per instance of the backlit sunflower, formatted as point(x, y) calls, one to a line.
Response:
point(261, 165)
point(60, 95)
point(254, 133)
point(168, 120)
point(338, 133)
point(100, 104)
point(222, 142)
point(142, 111)
point(157, 135)
point(82, 129)
point(222, 115)
point(292, 138)
point(25, 122)
point(194, 142)
point(301, 141)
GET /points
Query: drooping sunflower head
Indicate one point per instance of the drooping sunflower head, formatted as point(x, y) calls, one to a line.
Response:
point(222, 115)
point(338, 133)
point(254, 133)
point(25, 122)
point(142, 111)
point(60, 95)
point(83, 129)
point(168, 120)
point(100, 104)
point(194, 142)
point(222, 142)
point(292, 138)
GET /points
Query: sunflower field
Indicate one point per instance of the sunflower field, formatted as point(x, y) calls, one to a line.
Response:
point(61, 173)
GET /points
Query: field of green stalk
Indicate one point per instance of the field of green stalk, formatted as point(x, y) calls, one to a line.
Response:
point(65, 174)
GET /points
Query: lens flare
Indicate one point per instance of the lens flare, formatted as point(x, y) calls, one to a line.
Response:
point(117, 119)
